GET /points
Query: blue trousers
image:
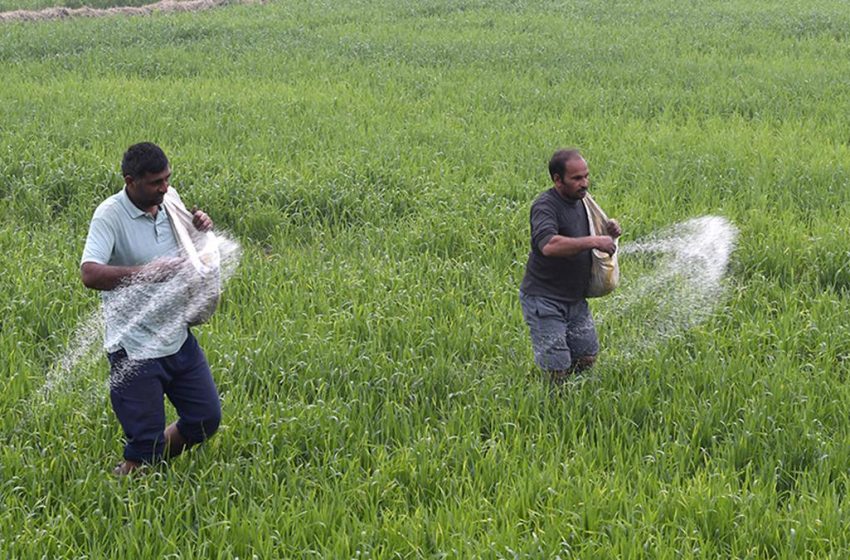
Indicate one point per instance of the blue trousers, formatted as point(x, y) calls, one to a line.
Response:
point(137, 388)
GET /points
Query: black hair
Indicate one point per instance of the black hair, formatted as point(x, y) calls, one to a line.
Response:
point(559, 161)
point(142, 158)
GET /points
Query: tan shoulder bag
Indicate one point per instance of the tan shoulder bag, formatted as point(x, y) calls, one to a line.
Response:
point(604, 270)
point(201, 249)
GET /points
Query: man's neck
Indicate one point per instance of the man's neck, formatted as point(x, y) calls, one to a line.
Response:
point(152, 210)
point(566, 199)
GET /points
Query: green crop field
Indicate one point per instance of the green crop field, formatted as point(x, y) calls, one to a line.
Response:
point(377, 161)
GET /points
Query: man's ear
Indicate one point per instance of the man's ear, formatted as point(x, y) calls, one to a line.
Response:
point(128, 181)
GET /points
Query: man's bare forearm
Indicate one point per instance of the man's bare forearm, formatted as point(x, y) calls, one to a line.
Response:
point(106, 277)
point(562, 246)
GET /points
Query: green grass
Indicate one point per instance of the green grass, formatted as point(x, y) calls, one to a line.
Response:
point(377, 161)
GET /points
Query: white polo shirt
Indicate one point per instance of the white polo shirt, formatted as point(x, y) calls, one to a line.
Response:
point(140, 318)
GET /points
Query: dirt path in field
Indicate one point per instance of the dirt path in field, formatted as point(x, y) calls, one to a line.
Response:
point(163, 6)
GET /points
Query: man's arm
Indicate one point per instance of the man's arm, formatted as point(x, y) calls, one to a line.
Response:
point(108, 277)
point(105, 277)
point(562, 246)
point(544, 234)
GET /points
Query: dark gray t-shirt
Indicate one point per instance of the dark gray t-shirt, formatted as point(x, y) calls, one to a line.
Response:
point(561, 278)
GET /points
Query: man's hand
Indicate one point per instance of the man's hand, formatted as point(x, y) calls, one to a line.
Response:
point(161, 269)
point(613, 229)
point(200, 220)
point(605, 244)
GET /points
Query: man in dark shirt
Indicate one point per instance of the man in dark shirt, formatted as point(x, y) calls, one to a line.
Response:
point(553, 290)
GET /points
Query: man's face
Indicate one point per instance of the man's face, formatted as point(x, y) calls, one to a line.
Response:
point(574, 183)
point(149, 189)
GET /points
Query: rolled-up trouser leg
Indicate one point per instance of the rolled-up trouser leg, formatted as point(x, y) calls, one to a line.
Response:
point(193, 393)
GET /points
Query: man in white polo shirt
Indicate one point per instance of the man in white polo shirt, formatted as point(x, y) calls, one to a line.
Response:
point(130, 253)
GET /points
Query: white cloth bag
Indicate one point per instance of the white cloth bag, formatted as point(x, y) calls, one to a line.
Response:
point(604, 269)
point(201, 249)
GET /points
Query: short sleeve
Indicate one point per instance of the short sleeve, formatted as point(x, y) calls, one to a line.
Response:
point(544, 224)
point(100, 241)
